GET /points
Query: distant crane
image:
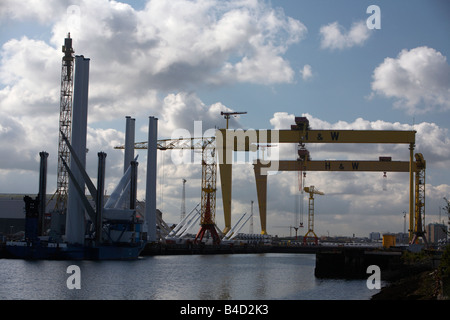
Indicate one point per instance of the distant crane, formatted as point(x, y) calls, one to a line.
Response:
point(183, 201)
point(299, 200)
point(419, 231)
point(251, 220)
point(312, 191)
point(227, 115)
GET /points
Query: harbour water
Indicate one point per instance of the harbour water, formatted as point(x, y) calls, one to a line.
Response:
point(268, 276)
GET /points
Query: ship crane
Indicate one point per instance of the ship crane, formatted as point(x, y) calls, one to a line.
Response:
point(312, 191)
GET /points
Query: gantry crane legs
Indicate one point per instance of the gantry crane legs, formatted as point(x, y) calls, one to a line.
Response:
point(226, 179)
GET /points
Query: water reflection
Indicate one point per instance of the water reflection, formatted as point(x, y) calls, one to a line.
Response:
point(217, 277)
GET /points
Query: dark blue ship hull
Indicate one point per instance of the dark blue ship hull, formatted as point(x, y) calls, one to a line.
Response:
point(30, 251)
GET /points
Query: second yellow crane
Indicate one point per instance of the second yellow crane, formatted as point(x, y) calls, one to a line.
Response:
point(311, 234)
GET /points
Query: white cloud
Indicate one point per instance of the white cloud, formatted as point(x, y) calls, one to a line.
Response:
point(141, 62)
point(334, 36)
point(138, 54)
point(418, 78)
point(30, 75)
point(306, 72)
point(173, 44)
point(44, 12)
point(179, 111)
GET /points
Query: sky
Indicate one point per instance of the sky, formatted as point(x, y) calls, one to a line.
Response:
point(335, 62)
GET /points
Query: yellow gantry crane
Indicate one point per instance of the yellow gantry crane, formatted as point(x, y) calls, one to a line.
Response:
point(312, 191)
point(301, 134)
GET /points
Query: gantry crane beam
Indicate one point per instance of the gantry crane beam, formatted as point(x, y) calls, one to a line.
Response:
point(261, 174)
point(334, 165)
point(242, 138)
point(228, 141)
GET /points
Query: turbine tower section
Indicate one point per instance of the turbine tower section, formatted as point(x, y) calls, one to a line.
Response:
point(65, 123)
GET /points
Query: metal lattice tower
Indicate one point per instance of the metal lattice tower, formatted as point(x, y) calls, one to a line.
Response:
point(312, 191)
point(209, 176)
point(419, 200)
point(65, 122)
point(208, 198)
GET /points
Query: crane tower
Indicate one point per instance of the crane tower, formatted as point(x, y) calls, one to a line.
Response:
point(208, 196)
point(209, 177)
point(312, 191)
point(65, 123)
point(419, 231)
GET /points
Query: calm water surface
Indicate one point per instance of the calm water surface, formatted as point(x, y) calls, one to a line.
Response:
point(199, 277)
